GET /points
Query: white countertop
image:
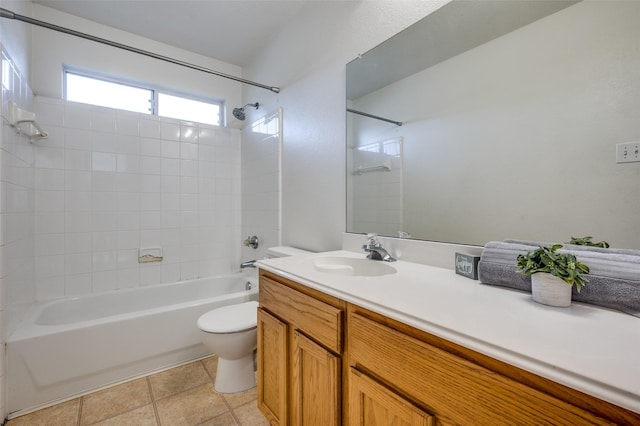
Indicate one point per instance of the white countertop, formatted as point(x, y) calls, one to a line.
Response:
point(588, 348)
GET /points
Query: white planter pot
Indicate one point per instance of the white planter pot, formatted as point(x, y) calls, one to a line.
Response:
point(550, 290)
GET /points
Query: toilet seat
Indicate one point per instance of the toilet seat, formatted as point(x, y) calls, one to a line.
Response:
point(230, 319)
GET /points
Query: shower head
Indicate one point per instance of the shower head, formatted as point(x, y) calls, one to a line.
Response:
point(239, 112)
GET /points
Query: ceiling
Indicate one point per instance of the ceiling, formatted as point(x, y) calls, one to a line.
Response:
point(228, 30)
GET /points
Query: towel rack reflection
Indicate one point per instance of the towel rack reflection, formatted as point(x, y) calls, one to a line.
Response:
point(19, 117)
point(386, 167)
point(377, 117)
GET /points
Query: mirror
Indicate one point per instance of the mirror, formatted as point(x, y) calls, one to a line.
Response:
point(510, 113)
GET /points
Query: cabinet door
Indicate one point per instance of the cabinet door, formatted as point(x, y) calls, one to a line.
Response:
point(272, 368)
point(371, 404)
point(316, 384)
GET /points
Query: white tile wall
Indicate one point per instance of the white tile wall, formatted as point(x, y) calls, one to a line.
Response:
point(17, 206)
point(369, 212)
point(261, 145)
point(109, 182)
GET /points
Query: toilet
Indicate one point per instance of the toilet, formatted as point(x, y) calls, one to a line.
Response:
point(231, 333)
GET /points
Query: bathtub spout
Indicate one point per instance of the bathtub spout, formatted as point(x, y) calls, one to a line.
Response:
point(249, 264)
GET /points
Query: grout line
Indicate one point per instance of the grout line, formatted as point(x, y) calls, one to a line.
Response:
point(233, 414)
point(22, 413)
point(207, 370)
point(153, 400)
point(153, 397)
point(235, 417)
point(229, 408)
point(80, 405)
point(115, 415)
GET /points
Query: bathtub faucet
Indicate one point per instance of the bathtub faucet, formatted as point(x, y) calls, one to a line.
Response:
point(249, 264)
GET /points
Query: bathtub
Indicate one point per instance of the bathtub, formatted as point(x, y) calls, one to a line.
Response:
point(68, 347)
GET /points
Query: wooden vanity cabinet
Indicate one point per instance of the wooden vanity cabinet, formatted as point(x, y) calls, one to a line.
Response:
point(371, 403)
point(322, 361)
point(458, 386)
point(272, 368)
point(300, 344)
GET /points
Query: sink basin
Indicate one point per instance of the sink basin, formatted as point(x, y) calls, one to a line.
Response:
point(352, 266)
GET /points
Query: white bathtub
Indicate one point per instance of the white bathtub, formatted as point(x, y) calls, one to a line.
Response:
point(71, 346)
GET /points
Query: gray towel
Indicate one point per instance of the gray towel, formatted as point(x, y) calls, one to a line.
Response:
point(575, 247)
point(622, 265)
point(503, 274)
point(613, 293)
point(501, 252)
point(613, 281)
point(605, 264)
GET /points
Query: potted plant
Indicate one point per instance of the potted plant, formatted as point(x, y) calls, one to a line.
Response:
point(552, 274)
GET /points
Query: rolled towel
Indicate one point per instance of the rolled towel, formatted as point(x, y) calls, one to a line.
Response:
point(605, 264)
point(613, 293)
point(501, 252)
point(613, 281)
point(504, 275)
point(575, 247)
point(529, 243)
point(621, 295)
point(622, 264)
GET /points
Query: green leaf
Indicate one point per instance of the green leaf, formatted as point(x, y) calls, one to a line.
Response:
point(562, 265)
point(586, 241)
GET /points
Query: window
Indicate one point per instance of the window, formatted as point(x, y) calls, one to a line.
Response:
point(188, 109)
point(90, 89)
point(391, 147)
point(109, 94)
point(266, 125)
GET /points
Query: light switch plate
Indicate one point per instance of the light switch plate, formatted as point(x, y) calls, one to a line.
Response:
point(627, 152)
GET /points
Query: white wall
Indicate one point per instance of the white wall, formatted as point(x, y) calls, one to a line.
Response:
point(529, 138)
point(307, 60)
point(52, 50)
point(15, 36)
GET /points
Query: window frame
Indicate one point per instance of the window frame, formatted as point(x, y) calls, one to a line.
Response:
point(155, 90)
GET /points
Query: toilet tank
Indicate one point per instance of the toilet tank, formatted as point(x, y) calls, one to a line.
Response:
point(284, 251)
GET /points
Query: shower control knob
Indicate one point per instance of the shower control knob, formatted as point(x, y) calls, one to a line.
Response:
point(251, 242)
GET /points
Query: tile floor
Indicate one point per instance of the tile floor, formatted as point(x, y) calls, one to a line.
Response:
point(180, 396)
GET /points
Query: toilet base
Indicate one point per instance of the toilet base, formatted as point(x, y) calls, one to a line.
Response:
point(235, 375)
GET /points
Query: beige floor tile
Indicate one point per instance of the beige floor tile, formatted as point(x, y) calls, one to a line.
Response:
point(224, 420)
point(143, 416)
point(64, 414)
point(240, 398)
point(211, 364)
point(178, 379)
point(114, 401)
point(250, 415)
point(191, 407)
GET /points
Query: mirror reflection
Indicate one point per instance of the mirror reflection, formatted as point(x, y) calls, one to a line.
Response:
point(511, 114)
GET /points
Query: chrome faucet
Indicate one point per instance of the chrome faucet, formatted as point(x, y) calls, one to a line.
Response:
point(249, 264)
point(375, 250)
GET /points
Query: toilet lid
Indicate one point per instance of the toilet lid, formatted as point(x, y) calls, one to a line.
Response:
point(231, 318)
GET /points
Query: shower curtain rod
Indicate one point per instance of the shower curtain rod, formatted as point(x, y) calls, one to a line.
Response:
point(355, 111)
point(5, 13)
